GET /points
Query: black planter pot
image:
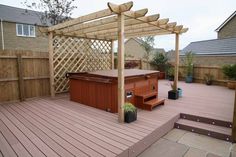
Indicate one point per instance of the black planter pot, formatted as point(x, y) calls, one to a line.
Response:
point(208, 83)
point(172, 94)
point(171, 78)
point(130, 116)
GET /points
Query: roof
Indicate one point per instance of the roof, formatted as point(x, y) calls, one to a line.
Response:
point(212, 47)
point(127, 72)
point(19, 15)
point(225, 22)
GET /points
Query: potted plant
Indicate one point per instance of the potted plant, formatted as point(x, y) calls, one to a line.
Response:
point(188, 63)
point(170, 73)
point(174, 93)
point(208, 78)
point(130, 112)
point(230, 71)
point(160, 63)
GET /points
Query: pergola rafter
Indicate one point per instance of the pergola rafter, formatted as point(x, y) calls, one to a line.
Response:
point(95, 33)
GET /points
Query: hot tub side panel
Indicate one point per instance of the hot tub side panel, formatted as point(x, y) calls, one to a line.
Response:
point(94, 94)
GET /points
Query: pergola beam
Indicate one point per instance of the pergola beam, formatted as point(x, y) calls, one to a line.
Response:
point(102, 22)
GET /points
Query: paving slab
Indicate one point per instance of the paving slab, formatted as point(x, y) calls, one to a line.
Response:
point(165, 148)
point(233, 154)
point(193, 152)
point(206, 143)
point(175, 135)
point(233, 147)
point(212, 155)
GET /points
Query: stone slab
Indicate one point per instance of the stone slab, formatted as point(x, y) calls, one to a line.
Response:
point(174, 135)
point(165, 148)
point(206, 143)
point(193, 152)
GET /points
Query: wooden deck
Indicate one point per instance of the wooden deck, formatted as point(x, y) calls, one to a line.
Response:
point(59, 127)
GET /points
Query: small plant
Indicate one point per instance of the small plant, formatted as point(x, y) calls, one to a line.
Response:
point(208, 79)
point(188, 70)
point(230, 71)
point(170, 73)
point(130, 112)
point(128, 107)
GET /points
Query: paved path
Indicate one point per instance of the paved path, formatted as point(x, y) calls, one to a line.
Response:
point(180, 143)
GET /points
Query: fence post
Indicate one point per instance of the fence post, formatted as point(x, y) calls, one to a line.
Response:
point(20, 78)
point(141, 64)
point(234, 119)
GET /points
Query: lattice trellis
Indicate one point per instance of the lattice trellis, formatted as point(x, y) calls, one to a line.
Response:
point(73, 54)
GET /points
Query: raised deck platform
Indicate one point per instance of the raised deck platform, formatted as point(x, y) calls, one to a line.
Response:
point(59, 127)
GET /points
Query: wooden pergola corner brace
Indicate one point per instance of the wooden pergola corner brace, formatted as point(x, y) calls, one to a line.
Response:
point(120, 8)
point(51, 71)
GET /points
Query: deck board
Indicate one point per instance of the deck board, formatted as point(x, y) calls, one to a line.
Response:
point(59, 127)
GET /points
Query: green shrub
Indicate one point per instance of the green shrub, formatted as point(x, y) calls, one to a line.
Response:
point(128, 107)
point(230, 71)
point(160, 61)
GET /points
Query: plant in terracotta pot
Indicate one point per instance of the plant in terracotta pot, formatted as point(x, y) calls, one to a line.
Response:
point(188, 64)
point(130, 112)
point(160, 63)
point(208, 78)
point(230, 72)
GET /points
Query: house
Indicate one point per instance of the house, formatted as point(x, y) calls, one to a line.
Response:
point(213, 52)
point(216, 52)
point(21, 29)
point(228, 28)
point(135, 50)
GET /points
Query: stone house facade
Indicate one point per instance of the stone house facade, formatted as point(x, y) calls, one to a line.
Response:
point(228, 28)
point(135, 50)
point(21, 29)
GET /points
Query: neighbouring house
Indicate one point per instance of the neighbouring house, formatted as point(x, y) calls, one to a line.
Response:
point(21, 29)
point(228, 28)
point(135, 50)
point(216, 52)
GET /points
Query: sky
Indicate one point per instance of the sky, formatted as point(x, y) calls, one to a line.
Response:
point(202, 17)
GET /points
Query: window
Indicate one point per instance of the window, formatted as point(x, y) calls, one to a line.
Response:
point(25, 30)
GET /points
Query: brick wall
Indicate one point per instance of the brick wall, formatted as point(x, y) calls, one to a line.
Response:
point(14, 42)
point(229, 30)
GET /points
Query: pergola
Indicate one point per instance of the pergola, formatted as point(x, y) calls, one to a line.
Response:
point(98, 31)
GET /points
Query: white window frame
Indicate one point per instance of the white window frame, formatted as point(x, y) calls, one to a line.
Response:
point(22, 35)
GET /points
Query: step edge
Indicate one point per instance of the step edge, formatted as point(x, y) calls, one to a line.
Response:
point(206, 120)
point(201, 131)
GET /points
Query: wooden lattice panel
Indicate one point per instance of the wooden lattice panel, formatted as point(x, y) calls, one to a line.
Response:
point(72, 54)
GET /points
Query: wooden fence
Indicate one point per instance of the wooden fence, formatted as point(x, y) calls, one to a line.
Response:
point(200, 71)
point(23, 74)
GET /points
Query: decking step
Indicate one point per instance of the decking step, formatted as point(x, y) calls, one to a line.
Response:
point(206, 120)
point(154, 102)
point(218, 132)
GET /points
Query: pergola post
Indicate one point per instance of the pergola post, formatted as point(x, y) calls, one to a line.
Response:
point(234, 119)
point(112, 54)
point(50, 49)
point(121, 81)
point(176, 61)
